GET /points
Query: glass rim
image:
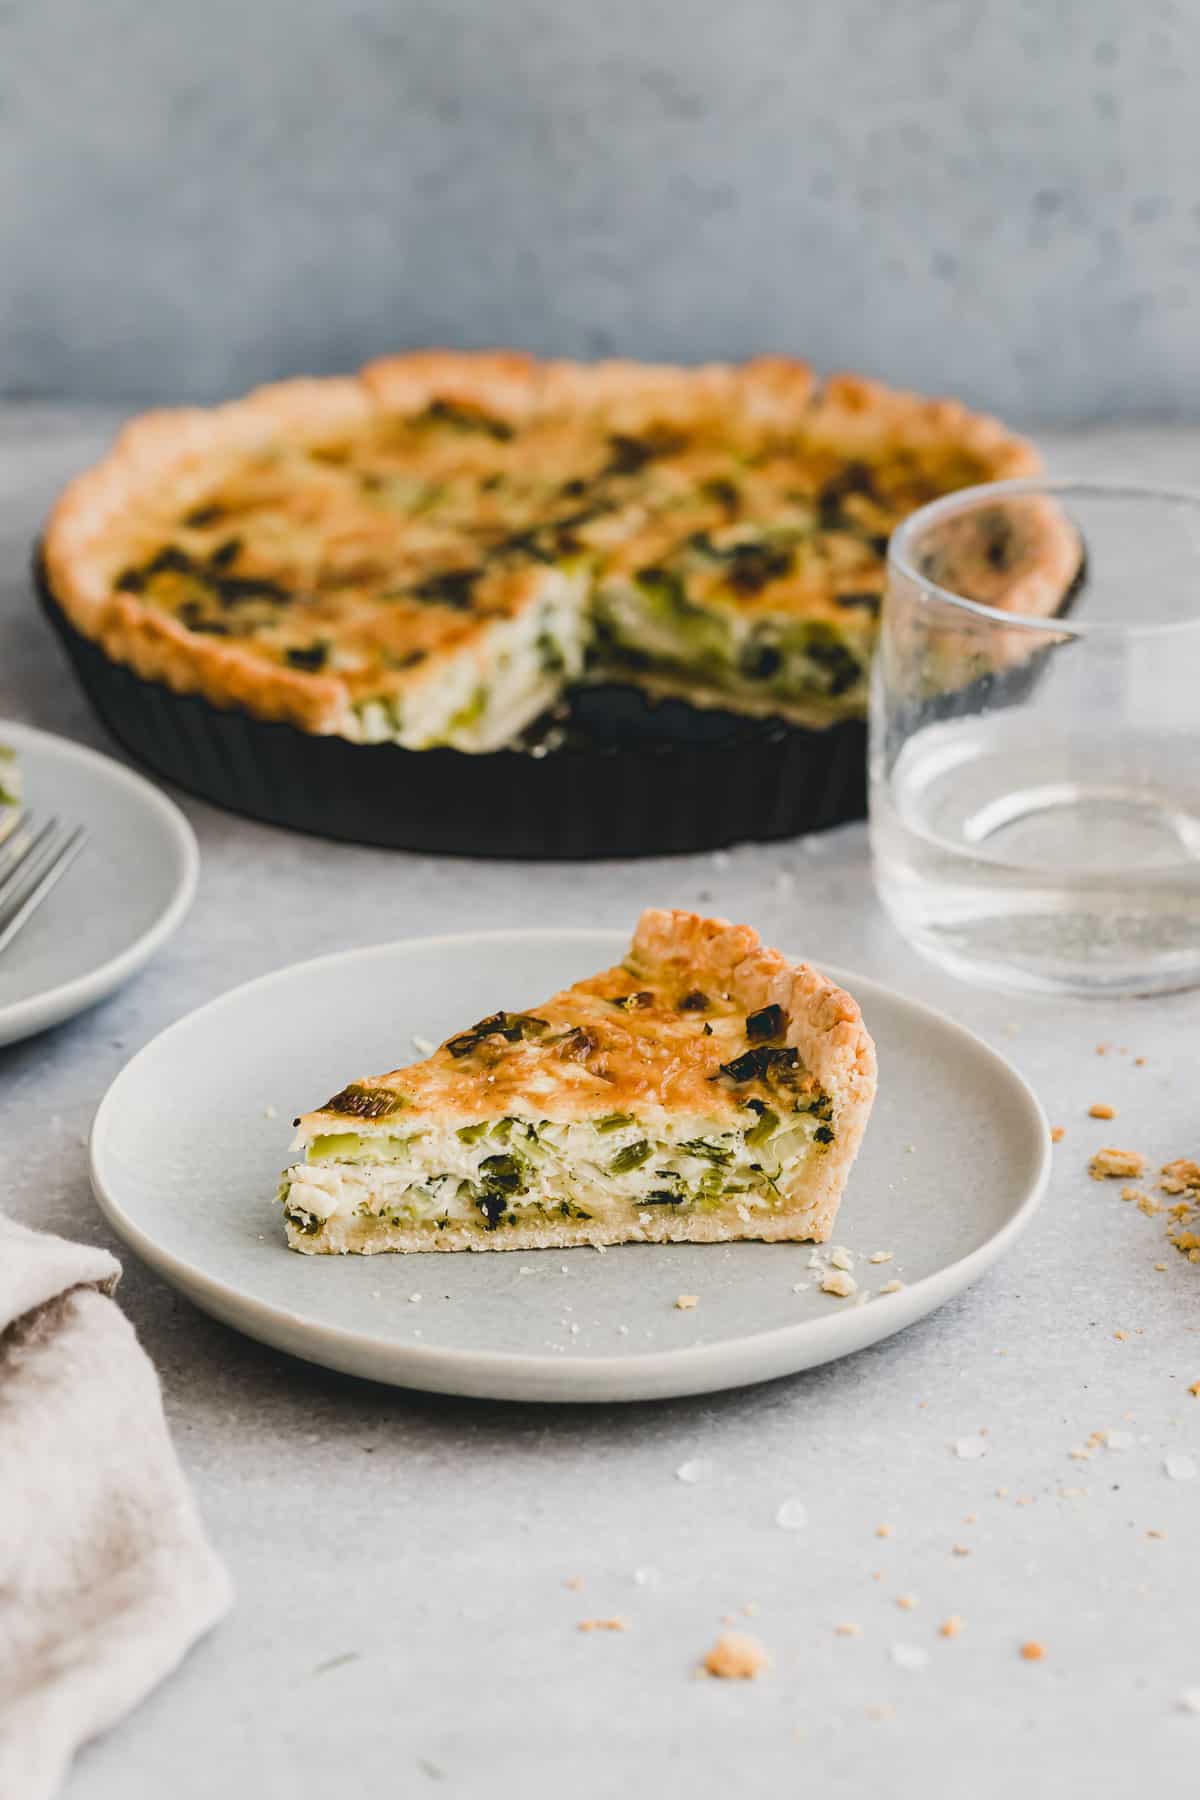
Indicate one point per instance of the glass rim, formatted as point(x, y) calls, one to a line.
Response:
point(901, 562)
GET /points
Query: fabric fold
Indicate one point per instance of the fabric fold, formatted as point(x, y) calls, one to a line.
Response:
point(106, 1575)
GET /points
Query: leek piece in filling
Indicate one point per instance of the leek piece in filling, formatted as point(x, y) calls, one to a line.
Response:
point(491, 1174)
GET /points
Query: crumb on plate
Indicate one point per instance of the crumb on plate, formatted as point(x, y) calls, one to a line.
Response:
point(836, 1281)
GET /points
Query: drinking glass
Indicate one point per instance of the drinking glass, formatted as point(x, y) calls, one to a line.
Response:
point(1035, 737)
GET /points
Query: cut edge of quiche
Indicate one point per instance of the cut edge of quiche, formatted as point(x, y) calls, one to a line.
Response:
point(706, 615)
point(702, 1090)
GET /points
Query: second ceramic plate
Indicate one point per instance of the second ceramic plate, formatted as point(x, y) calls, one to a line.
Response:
point(190, 1139)
point(120, 901)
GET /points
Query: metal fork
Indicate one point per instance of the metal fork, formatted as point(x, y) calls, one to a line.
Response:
point(33, 860)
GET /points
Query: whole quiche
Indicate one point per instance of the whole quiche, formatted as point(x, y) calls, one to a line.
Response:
point(429, 552)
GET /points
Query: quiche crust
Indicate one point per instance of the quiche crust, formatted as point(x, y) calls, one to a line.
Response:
point(640, 1054)
point(165, 462)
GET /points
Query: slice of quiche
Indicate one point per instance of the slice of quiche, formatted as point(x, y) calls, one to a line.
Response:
point(702, 1090)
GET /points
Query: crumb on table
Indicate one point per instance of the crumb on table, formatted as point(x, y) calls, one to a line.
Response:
point(686, 1302)
point(1057, 1134)
point(1110, 1164)
point(603, 1625)
point(1099, 1109)
point(736, 1657)
point(1033, 1651)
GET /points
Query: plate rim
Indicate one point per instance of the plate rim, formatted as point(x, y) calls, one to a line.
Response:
point(687, 1369)
point(24, 1018)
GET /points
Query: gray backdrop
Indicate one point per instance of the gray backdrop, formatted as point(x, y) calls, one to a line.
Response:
point(1000, 199)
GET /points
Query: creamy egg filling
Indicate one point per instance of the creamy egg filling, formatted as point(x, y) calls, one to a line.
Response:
point(485, 696)
point(503, 1172)
point(654, 626)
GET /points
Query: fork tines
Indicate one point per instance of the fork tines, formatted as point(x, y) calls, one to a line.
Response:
point(33, 860)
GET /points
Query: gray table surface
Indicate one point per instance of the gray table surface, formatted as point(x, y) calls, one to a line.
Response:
point(403, 1619)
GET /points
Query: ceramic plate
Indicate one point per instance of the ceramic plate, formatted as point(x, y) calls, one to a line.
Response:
point(125, 894)
point(190, 1139)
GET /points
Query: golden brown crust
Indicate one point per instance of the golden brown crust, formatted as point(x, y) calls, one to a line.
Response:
point(177, 452)
point(166, 446)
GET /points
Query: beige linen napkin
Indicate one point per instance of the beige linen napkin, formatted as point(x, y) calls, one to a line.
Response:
point(106, 1577)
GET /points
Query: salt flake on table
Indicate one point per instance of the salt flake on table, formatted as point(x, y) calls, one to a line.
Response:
point(970, 1449)
point(1189, 1700)
point(697, 1469)
point(792, 1515)
point(422, 1045)
point(1119, 1440)
point(909, 1656)
point(1179, 1467)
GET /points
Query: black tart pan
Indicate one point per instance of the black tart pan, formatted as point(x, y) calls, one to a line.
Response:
point(617, 775)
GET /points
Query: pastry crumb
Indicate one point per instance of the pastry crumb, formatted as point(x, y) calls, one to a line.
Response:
point(885, 1531)
point(848, 1629)
point(891, 1287)
point(841, 1257)
point(1109, 1164)
point(574, 1582)
point(881, 1256)
point(960, 1550)
point(603, 1625)
point(1057, 1134)
point(686, 1302)
point(951, 1627)
point(836, 1281)
point(1033, 1651)
point(907, 1602)
point(736, 1657)
point(1100, 1109)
